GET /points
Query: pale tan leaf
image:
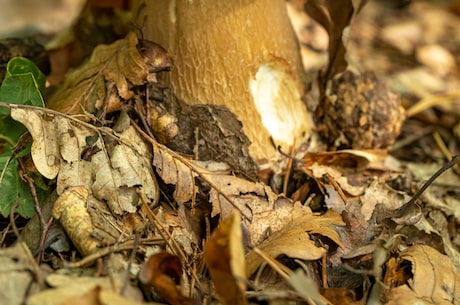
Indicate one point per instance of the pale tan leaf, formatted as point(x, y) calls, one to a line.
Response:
point(106, 183)
point(176, 172)
point(45, 150)
point(72, 143)
point(434, 275)
point(79, 155)
point(243, 194)
point(294, 238)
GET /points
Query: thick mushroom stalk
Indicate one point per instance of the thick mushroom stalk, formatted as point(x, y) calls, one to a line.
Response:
point(240, 53)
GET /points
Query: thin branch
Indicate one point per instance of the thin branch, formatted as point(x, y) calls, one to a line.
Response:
point(419, 193)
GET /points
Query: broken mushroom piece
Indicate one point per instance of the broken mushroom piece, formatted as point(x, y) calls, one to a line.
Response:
point(242, 54)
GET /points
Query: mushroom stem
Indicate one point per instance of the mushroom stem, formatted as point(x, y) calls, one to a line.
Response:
point(240, 53)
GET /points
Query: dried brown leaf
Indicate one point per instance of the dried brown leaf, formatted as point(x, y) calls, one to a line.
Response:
point(105, 80)
point(89, 298)
point(227, 191)
point(176, 171)
point(294, 239)
point(163, 272)
point(111, 170)
point(435, 280)
point(243, 193)
point(334, 16)
point(224, 257)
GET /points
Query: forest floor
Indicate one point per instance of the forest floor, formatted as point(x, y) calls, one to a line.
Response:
point(138, 222)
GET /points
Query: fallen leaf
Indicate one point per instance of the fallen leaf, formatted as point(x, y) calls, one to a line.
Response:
point(294, 239)
point(16, 273)
point(434, 275)
point(89, 298)
point(224, 257)
point(104, 81)
point(243, 193)
point(334, 16)
point(65, 287)
point(163, 272)
point(82, 156)
point(306, 287)
point(45, 149)
point(174, 171)
point(227, 191)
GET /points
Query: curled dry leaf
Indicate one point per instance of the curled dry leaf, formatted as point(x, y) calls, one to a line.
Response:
point(162, 272)
point(45, 148)
point(224, 257)
point(294, 239)
point(83, 156)
point(243, 193)
point(115, 67)
point(175, 170)
point(88, 222)
point(70, 209)
point(334, 16)
point(434, 276)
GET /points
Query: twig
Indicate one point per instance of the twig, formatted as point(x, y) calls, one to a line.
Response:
point(161, 229)
point(130, 262)
point(44, 225)
point(442, 146)
point(12, 220)
point(128, 245)
point(445, 167)
point(400, 212)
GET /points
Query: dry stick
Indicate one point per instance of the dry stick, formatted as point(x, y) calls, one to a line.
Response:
point(45, 225)
point(156, 222)
point(128, 245)
point(281, 269)
point(138, 109)
point(419, 193)
point(190, 165)
point(12, 220)
point(4, 233)
point(337, 187)
point(442, 146)
point(130, 262)
point(161, 229)
point(401, 211)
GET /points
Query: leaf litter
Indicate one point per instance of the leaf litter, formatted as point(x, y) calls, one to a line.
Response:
point(106, 183)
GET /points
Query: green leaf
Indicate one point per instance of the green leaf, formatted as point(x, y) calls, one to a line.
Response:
point(23, 84)
point(13, 190)
point(10, 130)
